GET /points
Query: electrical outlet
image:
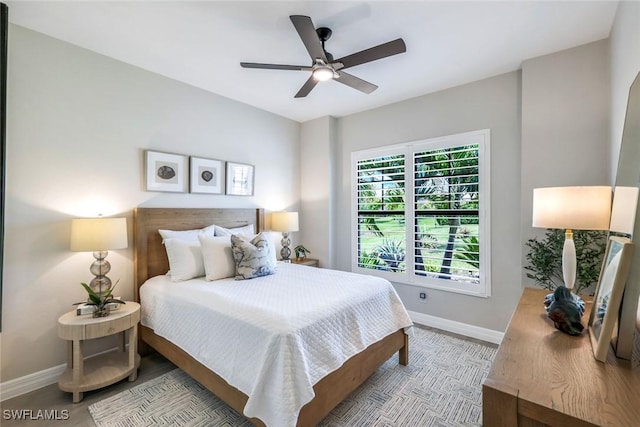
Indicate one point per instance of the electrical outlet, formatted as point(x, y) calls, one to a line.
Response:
point(423, 297)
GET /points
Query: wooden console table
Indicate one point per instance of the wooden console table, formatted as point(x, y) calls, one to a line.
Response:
point(543, 377)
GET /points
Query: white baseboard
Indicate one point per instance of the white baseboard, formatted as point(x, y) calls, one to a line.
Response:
point(28, 383)
point(467, 330)
point(31, 382)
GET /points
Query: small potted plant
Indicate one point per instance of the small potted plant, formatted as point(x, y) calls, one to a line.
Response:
point(301, 252)
point(101, 300)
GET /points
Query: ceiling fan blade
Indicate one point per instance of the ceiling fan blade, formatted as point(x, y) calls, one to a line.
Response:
point(306, 87)
point(377, 52)
point(275, 66)
point(355, 82)
point(307, 32)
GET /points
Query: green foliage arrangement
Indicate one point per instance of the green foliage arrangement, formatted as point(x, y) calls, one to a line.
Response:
point(101, 299)
point(301, 251)
point(545, 259)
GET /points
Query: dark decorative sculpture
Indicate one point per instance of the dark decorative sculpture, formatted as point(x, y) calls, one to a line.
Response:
point(565, 309)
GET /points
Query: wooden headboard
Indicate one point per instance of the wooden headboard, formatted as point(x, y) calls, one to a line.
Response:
point(150, 257)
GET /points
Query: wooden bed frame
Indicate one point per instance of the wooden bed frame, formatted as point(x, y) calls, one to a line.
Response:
point(150, 260)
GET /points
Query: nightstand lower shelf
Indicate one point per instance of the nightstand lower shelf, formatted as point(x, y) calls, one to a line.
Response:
point(101, 371)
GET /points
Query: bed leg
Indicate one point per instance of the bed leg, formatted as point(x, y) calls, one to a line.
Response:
point(403, 354)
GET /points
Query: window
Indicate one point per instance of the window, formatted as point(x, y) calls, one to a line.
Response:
point(438, 236)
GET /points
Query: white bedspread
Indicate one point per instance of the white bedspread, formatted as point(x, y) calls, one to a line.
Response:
point(274, 337)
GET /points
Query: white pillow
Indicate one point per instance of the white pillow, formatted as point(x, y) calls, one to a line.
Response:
point(190, 235)
point(217, 257)
point(185, 259)
point(247, 230)
point(274, 241)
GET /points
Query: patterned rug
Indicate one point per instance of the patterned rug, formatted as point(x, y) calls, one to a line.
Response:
point(440, 387)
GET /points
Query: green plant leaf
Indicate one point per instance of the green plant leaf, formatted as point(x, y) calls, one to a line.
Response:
point(100, 298)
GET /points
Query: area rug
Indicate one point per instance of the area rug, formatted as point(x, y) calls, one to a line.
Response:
point(442, 386)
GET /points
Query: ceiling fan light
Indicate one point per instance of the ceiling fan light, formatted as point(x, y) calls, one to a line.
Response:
point(323, 73)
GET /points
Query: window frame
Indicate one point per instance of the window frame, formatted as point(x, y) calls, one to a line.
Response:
point(408, 149)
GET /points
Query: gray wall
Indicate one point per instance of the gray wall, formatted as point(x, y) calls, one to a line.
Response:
point(78, 123)
point(565, 125)
point(492, 103)
point(625, 65)
point(317, 149)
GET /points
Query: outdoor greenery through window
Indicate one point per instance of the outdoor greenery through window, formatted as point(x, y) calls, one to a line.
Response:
point(439, 235)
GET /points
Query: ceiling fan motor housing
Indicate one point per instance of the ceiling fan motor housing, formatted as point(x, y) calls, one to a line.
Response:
point(324, 33)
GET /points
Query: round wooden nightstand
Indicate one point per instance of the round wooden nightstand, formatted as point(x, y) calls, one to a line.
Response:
point(99, 371)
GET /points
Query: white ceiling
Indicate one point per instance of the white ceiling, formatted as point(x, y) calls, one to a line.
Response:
point(202, 43)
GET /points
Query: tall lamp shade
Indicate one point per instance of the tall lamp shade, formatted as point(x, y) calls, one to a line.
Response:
point(571, 208)
point(623, 212)
point(285, 222)
point(99, 235)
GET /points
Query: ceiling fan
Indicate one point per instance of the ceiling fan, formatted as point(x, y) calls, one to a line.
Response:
point(323, 66)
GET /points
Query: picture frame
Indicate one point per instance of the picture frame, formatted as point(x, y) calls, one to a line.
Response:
point(240, 179)
point(608, 295)
point(166, 172)
point(623, 221)
point(206, 176)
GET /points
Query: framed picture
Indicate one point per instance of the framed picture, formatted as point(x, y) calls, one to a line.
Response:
point(206, 176)
point(606, 302)
point(167, 172)
point(239, 179)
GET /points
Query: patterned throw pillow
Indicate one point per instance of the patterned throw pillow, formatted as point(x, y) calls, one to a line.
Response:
point(253, 258)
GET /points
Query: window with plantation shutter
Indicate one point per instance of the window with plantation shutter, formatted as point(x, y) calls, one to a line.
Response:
point(381, 212)
point(421, 213)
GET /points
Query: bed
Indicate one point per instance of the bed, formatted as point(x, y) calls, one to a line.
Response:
point(150, 261)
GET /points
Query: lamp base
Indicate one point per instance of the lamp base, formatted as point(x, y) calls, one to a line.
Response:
point(285, 252)
point(100, 267)
point(569, 260)
point(565, 309)
point(549, 299)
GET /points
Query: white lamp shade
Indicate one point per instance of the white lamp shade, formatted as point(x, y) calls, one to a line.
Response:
point(623, 213)
point(98, 234)
point(284, 221)
point(576, 208)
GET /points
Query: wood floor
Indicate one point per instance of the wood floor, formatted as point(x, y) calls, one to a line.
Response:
point(50, 398)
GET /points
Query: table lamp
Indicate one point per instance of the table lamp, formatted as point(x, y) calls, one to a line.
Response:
point(99, 235)
point(571, 208)
point(285, 222)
